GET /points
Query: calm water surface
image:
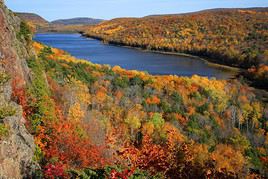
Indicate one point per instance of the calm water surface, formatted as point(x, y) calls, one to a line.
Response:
point(132, 59)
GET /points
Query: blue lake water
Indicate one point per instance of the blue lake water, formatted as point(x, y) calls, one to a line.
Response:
point(132, 59)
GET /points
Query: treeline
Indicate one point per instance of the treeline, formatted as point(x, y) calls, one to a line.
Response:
point(102, 122)
point(232, 37)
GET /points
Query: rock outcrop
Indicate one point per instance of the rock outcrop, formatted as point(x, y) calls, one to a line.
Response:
point(16, 143)
point(13, 51)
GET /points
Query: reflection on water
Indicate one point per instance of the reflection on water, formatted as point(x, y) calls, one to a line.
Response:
point(131, 59)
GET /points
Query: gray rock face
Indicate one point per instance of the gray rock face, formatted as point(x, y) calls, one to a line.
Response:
point(17, 146)
point(16, 151)
point(14, 52)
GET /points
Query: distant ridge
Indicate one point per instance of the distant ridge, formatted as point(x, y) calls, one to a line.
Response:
point(33, 18)
point(61, 25)
point(258, 9)
point(218, 34)
point(77, 21)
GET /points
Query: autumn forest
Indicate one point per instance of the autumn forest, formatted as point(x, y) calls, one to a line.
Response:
point(96, 121)
point(231, 37)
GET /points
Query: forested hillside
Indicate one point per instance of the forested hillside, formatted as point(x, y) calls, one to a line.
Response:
point(97, 121)
point(39, 24)
point(77, 21)
point(33, 19)
point(93, 120)
point(234, 37)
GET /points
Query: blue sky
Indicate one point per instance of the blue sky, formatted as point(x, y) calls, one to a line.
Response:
point(108, 9)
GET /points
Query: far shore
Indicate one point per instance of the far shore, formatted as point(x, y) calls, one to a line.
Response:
point(238, 72)
point(208, 61)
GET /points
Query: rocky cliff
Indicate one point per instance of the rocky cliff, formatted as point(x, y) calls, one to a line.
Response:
point(16, 144)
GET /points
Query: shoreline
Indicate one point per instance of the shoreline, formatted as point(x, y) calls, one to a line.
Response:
point(237, 70)
point(208, 62)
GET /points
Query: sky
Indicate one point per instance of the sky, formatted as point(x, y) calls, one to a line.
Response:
point(108, 9)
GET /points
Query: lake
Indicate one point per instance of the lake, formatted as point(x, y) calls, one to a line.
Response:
point(131, 59)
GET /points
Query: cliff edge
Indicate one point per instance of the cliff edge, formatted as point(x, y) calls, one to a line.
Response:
point(16, 143)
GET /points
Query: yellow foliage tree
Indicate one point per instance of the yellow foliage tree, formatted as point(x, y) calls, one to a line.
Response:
point(75, 113)
point(229, 159)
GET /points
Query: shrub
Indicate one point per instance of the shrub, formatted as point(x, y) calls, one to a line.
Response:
point(121, 82)
point(136, 81)
point(25, 32)
point(4, 78)
point(38, 154)
point(44, 52)
point(166, 107)
point(6, 111)
point(39, 95)
point(3, 130)
point(81, 73)
point(88, 173)
point(54, 171)
point(203, 108)
point(177, 97)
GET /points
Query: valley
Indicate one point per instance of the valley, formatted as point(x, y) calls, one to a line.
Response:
point(77, 107)
point(132, 59)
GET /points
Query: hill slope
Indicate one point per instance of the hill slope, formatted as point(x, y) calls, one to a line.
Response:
point(162, 126)
point(77, 21)
point(33, 18)
point(95, 121)
point(257, 9)
point(64, 25)
point(235, 37)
